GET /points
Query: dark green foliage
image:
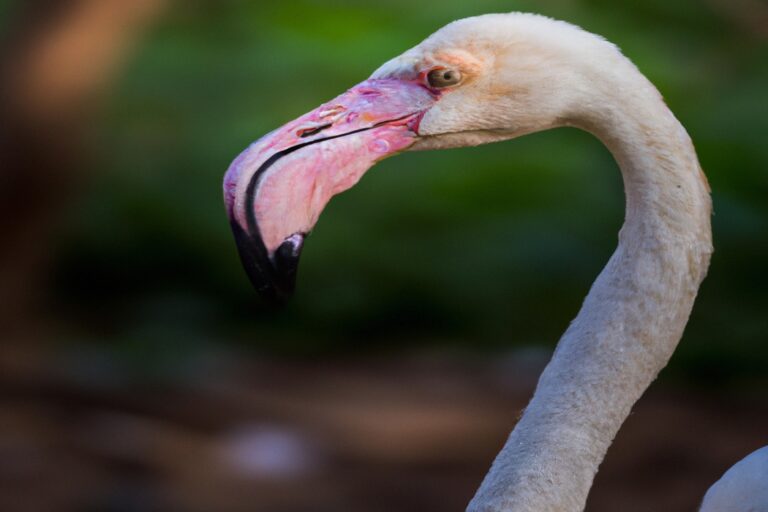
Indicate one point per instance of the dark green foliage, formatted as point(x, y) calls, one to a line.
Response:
point(484, 247)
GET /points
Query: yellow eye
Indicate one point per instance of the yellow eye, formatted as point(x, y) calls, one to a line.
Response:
point(439, 78)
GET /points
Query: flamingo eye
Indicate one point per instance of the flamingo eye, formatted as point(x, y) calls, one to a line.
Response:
point(439, 78)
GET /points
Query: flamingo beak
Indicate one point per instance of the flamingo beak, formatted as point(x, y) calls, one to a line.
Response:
point(276, 189)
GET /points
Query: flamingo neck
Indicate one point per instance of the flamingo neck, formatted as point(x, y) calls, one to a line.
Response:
point(632, 318)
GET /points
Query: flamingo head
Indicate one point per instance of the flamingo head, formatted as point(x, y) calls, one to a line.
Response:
point(476, 80)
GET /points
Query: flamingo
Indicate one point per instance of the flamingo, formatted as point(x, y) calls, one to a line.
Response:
point(743, 488)
point(490, 78)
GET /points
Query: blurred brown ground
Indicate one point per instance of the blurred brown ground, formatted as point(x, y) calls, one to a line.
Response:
point(404, 433)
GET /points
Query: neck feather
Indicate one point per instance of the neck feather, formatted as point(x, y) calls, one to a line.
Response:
point(632, 318)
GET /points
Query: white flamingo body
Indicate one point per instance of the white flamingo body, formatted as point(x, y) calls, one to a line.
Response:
point(545, 74)
point(522, 73)
point(743, 488)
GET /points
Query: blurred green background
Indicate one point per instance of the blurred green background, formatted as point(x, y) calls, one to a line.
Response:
point(482, 248)
point(138, 369)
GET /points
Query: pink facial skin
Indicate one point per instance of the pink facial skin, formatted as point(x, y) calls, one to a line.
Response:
point(287, 177)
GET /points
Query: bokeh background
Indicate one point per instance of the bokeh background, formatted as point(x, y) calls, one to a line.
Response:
point(138, 371)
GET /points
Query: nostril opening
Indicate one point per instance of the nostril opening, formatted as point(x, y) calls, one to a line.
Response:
point(369, 92)
point(332, 111)
point(308, 132)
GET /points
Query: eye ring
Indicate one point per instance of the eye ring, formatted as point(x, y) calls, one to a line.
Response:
point(439, 78)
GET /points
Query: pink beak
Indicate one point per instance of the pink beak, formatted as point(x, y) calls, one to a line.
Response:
point(276, 189)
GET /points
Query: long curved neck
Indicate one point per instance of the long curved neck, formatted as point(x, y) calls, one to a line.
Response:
point(632, 318)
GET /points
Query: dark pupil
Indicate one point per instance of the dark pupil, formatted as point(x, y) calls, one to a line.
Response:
point(442, 78)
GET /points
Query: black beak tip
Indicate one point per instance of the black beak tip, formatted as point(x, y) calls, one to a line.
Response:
point(273, 278)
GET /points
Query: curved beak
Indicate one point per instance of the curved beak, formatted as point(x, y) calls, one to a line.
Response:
point(277, 188)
